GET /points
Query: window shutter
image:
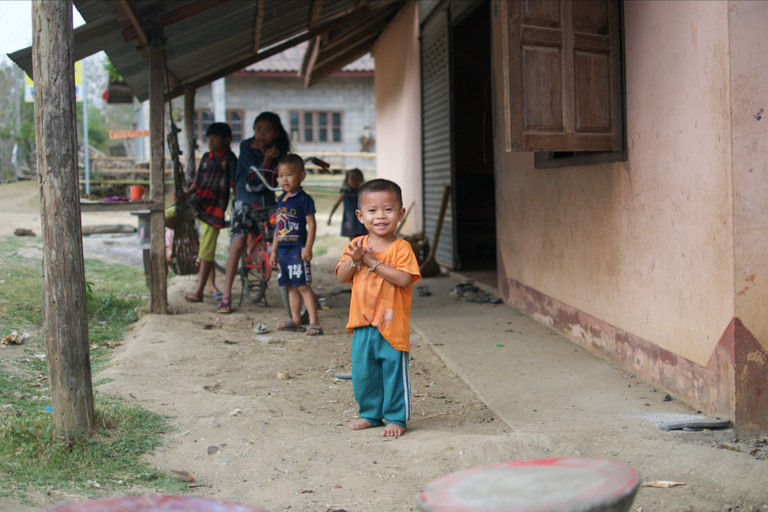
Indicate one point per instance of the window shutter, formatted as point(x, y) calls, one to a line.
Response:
point(562, 75)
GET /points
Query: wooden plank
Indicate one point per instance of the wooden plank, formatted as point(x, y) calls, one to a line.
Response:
point(189, 130)
point(506, 65)
point(258, 25)
point(126, 206)
point(159, 293)
point(136, 31)
point(314, 16)
point(105, 229)
point(314, 51)
point(332, 65)
point(134, 17)
point(568, 85)
point(64, 308)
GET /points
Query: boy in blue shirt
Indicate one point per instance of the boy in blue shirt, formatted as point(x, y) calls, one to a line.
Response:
point(292, 245)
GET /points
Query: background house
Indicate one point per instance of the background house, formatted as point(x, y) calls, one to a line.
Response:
point(329, 118)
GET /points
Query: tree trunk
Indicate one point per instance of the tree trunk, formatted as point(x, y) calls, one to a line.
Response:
point(65, 318)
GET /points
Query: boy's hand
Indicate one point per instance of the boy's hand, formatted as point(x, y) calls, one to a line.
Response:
point(306, 254)
point(356, 251)
point(273, 258)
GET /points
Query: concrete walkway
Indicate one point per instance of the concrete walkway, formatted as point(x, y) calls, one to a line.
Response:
point(566, 402)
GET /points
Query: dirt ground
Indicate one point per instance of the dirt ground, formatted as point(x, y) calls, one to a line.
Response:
point(488, 385)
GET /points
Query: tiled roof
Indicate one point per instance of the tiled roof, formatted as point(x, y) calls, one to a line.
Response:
point(291, 59)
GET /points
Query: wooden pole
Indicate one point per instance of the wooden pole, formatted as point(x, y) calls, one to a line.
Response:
point(189, 130)
point(159, 293)
point(65, 317)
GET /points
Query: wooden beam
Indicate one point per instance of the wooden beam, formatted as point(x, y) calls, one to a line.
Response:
point(189, 130)
point(290, 43)
point(65, 315)
point(134, 17)
point(314, 51)
point(334, 64)
point(260, 12)
point(365, 29)
point(314, 17)
point(158, 295)
point(129, 17)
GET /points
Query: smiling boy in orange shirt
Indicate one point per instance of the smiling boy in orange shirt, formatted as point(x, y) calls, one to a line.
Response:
point(382, 270)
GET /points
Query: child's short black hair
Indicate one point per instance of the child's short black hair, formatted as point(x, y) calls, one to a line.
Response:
point(380, 185)
point(293, 160)
point(354, 171)
point(221, 129)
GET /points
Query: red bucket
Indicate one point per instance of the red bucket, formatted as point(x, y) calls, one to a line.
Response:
point(153, 504)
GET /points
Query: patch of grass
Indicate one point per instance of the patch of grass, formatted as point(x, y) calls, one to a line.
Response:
point(106, 463)
point(31, 460)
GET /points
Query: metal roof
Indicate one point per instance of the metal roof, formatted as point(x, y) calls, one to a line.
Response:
point(208, 39)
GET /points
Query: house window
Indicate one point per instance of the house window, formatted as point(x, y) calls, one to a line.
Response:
point(563, 91)
point(316, 127)
point(204, 119)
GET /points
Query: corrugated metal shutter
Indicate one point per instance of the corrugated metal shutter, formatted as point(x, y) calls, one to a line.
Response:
point(436, 132)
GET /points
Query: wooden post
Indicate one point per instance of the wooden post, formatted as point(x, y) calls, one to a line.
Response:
point(158, 295)
point(65, 317)
point(189, 130)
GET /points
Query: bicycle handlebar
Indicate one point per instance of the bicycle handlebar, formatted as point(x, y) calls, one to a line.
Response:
point(312, 159)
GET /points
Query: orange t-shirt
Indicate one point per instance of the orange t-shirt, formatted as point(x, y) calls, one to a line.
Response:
point(377, 302)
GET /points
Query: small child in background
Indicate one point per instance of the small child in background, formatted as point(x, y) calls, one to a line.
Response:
point(350, 225)
point(382, 270)
point(292, 246)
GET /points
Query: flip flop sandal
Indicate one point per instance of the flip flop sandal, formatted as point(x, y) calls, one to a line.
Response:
point(218, 294)
point(318, 331)
point(289, 325)
point(225, 306)
point(470, 297)
point(192, 298)
point(461, 289)
point(261, 328)
point(483, 298)
point(423, 291)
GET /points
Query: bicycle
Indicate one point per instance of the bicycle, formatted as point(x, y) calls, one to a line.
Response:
point(255, 269)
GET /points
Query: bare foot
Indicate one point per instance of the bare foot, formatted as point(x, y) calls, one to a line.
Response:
point(360, 424)
point(393, 430)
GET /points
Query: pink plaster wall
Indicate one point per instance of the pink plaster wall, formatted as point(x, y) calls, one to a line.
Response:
point(646, 245)
point(398, 110)
point(749, 95)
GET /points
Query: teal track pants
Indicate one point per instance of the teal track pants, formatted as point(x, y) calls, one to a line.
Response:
point(380, 378)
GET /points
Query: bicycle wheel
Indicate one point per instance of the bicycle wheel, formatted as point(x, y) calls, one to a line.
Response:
point(287, 306)
point(254, 284)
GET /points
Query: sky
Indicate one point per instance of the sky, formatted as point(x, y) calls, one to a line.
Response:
point(17, 16)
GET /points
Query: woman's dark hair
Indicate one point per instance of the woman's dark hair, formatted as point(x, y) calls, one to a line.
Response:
point(282, 142)
point(353, 171)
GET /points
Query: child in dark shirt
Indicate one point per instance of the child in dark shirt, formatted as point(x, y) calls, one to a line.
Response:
point(209, 195)
point(350, 225)
point(292, 245)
